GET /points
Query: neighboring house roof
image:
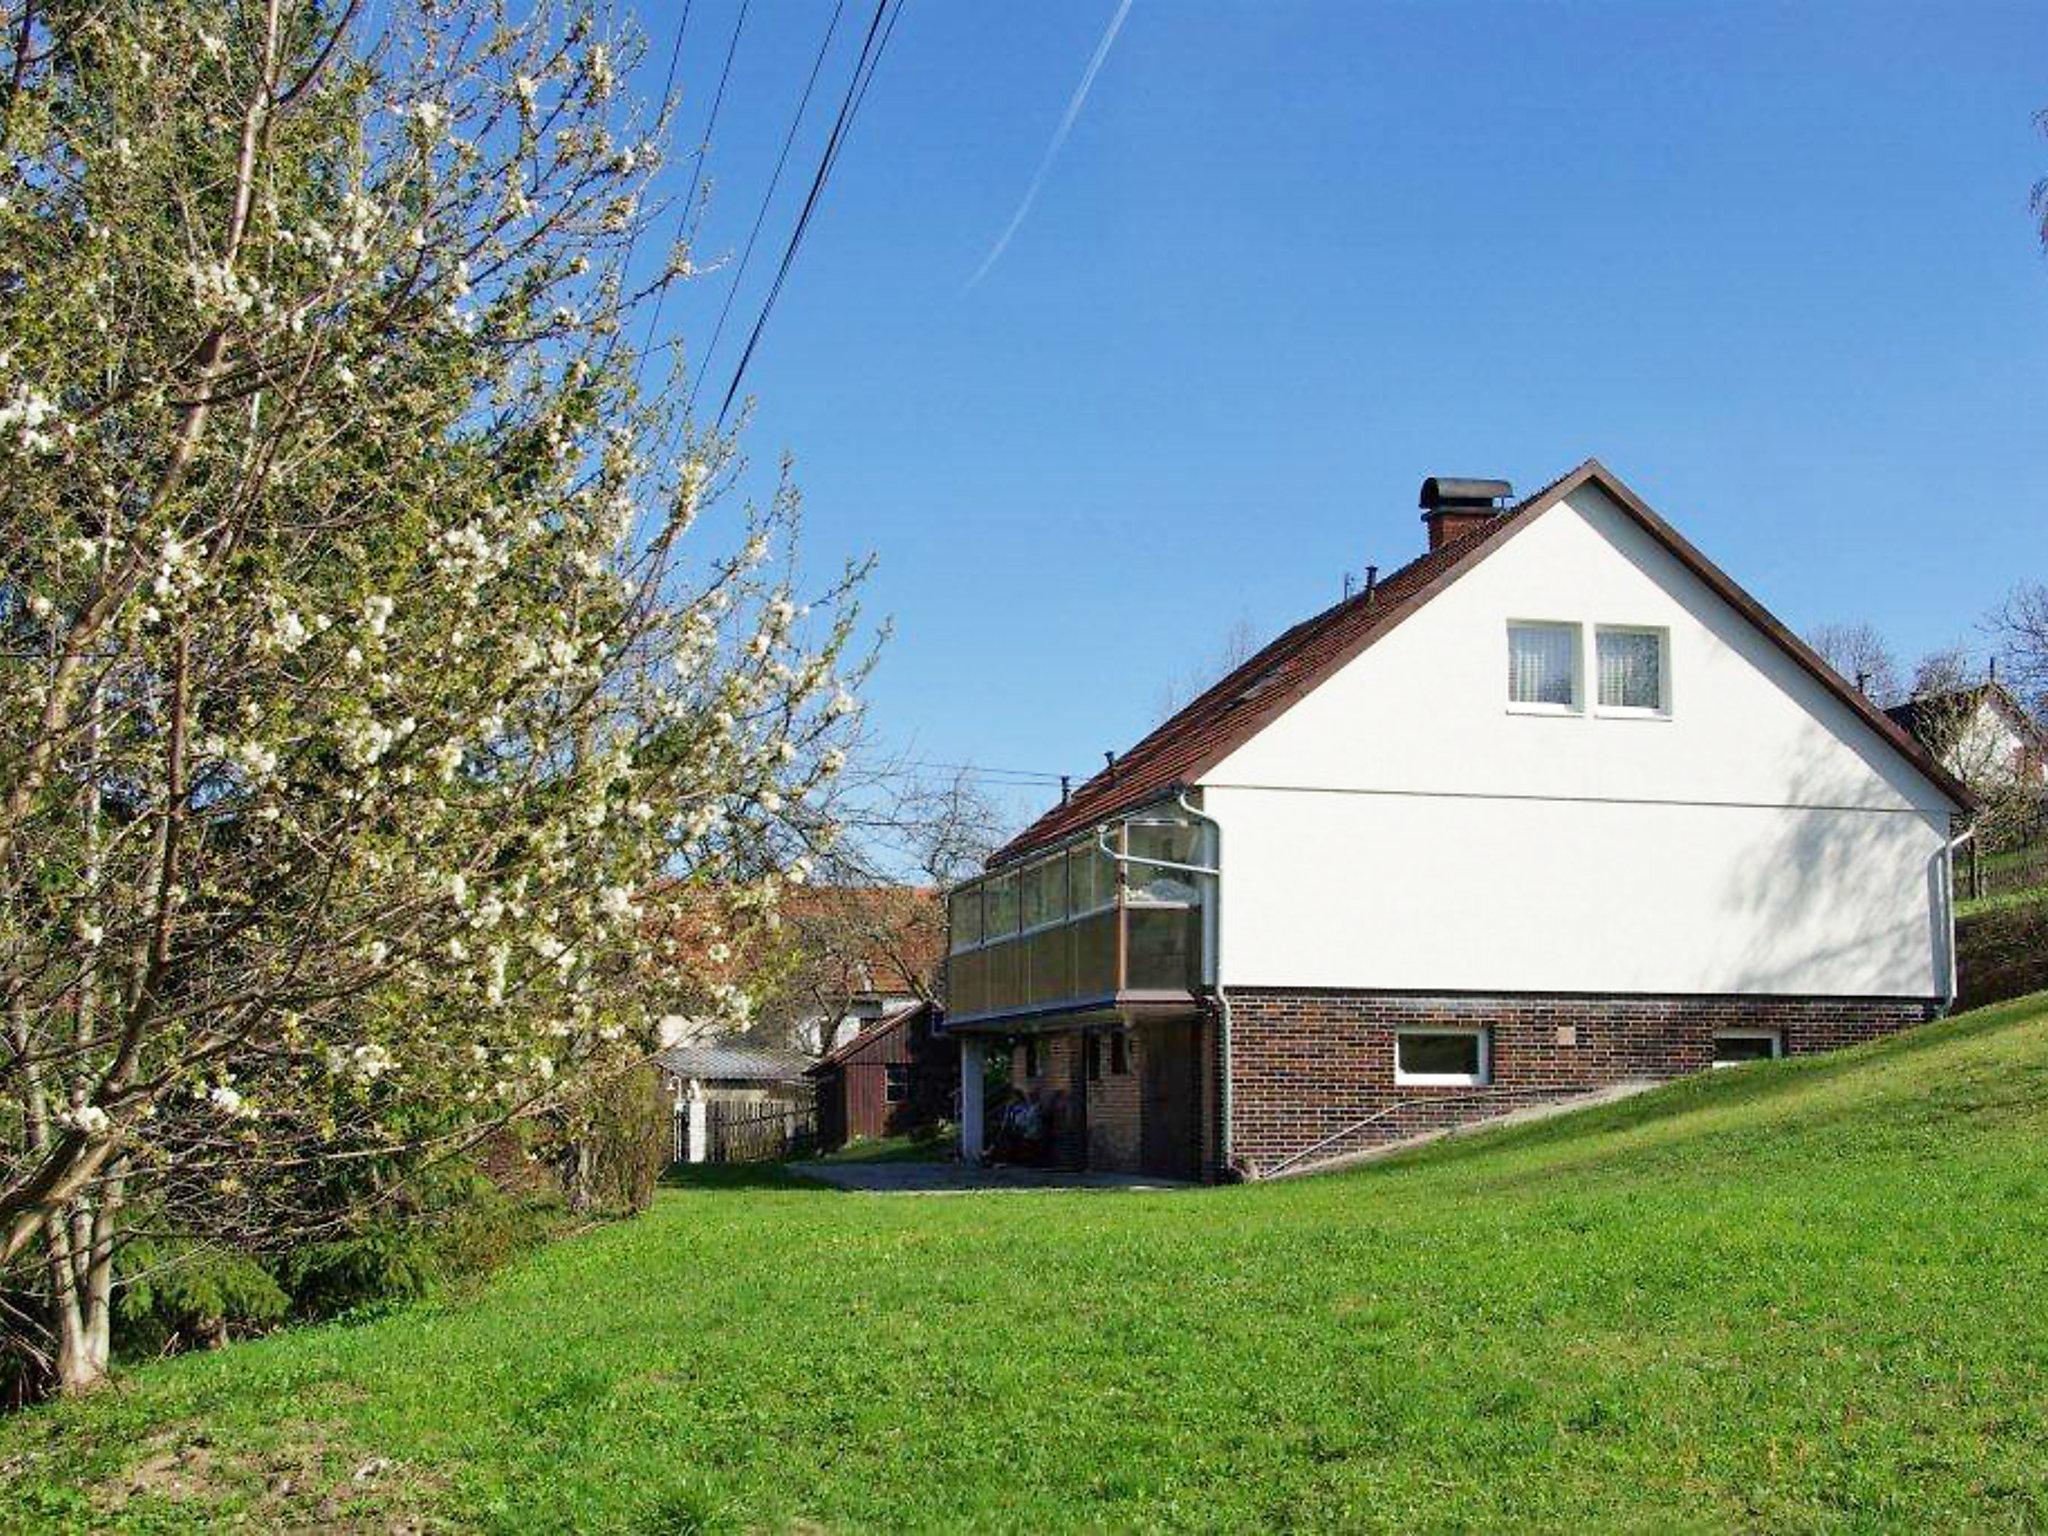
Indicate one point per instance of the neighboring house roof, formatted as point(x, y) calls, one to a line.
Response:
point(733, 1063)
point(1251, 696)
point(880, 938)
point(1935, 720)
point(887, 1024)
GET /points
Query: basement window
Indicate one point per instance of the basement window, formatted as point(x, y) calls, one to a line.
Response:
point(1442, 1058)
point(1732, 1047)
point(896, 1083)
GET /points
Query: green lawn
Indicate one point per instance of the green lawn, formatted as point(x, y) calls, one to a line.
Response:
point(1799, 1295)
point(1972, 906)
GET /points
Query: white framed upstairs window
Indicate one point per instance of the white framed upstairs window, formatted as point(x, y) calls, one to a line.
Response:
point(1632, 666)
point(1544, 668)
point(1443, 1058)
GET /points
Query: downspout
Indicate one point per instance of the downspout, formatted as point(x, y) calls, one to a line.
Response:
point(1948, 901)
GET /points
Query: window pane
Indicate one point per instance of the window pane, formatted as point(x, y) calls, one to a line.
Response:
point(1095, 955)
point(1447, 1055)
point(1733, 1048)
point(1093, 877)
point(1003, 977)
point(1002, 905)
point(1542, 659)
point(1048, 958)
point(1179, 843)
point(1045, 892)
point(1631, 669)
point(966, 989)
point(1162, 944)
point(964, 918)
point(895, 1083)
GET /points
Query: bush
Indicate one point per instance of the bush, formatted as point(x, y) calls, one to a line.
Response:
point(611, 1146)
point(470, 1228)
point(174, 1292)
point(2002, 953)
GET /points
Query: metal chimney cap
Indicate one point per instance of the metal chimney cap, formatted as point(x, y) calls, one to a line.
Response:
point(1443, 492)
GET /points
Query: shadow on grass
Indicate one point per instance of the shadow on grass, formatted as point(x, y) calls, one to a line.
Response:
point(733, 1176)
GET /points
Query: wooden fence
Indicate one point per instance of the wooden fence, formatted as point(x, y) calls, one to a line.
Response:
point(749, 1131)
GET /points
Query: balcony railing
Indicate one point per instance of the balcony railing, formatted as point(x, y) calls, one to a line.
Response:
point(1081, 928)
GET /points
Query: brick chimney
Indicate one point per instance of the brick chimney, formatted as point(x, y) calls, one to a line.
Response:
point(1453, 508)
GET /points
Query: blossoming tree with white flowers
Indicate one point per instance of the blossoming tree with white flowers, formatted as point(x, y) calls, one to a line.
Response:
point(365, 694)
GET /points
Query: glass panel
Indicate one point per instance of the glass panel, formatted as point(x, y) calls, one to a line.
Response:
point(1048, 956)
point(1001, 909)
point(1631, 664)
point(963, 918)
point(966, 992)
point(1179, 843)
point(1543, 663)
point(1005, 963)
point(1045, 892)
point(1162, 948)
point(1729, 1049)
point(1447, 1055)
point(1094, 955)
point(1092, 876)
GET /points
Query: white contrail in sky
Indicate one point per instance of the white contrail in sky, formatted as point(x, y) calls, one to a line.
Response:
point(1059, 137)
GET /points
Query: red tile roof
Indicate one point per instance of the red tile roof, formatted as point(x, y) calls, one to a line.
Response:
point(1232, 711)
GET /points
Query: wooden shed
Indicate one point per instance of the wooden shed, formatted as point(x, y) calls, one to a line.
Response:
point(896, 1075)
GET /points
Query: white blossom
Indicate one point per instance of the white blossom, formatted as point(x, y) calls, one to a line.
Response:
point(86, 1119)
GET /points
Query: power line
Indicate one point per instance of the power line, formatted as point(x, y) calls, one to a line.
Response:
point(971, 770)
point(717, 101)
point(768, 197)
point(864, 69)
point(696, 165)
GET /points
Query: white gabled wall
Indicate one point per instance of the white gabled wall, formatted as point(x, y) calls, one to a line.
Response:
point(1988, 751)
point(1401, 828)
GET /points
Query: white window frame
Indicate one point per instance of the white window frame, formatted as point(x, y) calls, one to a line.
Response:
point(1775, 1036)
point(1661, 710)
point(1481, 1079)
point(1577, 631)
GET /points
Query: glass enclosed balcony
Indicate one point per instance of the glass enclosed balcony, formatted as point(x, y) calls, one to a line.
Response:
point(1080, 928)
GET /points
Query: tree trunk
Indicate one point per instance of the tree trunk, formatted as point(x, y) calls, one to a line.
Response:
point(80, 1307)
point(579, 1176)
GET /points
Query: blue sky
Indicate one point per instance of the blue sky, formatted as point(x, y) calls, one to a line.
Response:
point(1773, 265)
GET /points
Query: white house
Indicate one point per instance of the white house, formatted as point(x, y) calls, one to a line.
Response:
point(1555, 806)
point(1981, 734)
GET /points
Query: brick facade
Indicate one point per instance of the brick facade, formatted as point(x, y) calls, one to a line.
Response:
point(1097, 1120)
point(1308, 1065)
point(1062, 1087)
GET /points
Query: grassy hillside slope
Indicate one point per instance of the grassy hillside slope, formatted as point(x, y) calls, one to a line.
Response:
point(1803, 1294)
